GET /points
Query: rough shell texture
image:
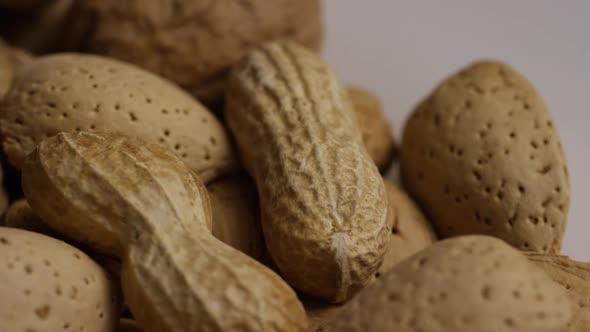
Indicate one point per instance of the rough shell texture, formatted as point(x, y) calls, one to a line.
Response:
point(411, 232)
point(483, 156)
point(236, 221)
point(36, 30)
point(69, 92)
point(11, 59)
point(141, 203)
point(48, 285)
point(469, 283)
point(193, 42)
point(575, 278)
point(323, 202)
point(374, 127)
point(20, 215)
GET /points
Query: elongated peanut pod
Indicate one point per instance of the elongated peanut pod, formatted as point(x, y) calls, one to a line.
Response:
point(323, 202)
point(139, 202)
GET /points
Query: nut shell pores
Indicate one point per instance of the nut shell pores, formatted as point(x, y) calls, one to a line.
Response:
point(191, 42)
point(482, 155)
point(140, 203)
point(48, 285)
point(464, 284)
point(323, 201)
point(73, 92)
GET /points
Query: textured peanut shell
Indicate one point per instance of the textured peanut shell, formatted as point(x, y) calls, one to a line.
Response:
point(72, 92)
point(411, 232)
point(482, 155)
point(465, 284)
point(11, 59)
point(192, 42)
point(375, 130)
point(236, 221)
point(140, 203)
point(20, 215)
point(48, 285)
point(323, 202)
point(575, 278)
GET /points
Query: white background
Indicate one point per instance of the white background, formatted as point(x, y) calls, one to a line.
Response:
point(401, 49)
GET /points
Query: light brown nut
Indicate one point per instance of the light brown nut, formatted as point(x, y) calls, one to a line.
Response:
point(236, 221)
point(575, 278)
point(70, 92)
point(482, 155)
point(139, 202)
point(374, 126)
point(11, 59)
point(20, 215)
point(323, 202)
point(410, 231)
point(193, 42)
point(48, 285)
point(469, 283)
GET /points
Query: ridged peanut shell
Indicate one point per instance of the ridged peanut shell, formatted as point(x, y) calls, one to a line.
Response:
point(140, 203)
point(323, 202)
point(192, 42)
point(20, 215)
point(48, 285)
point(464, 284)
point(74, 92)
point(374, 126)
point(482, 155)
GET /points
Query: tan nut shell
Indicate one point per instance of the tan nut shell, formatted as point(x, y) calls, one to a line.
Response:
point(20, 215)
point(465, 284)
point(236, 221)
point(411, 232)
point(323, 202)
point(141, 203)
point(48, 285)
point(482, 155)
point(575, 278)
point(11, 59)
point(374, 126)
point(192, 42)
point(71, 92)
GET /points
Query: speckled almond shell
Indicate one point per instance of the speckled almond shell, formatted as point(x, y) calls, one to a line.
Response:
point(191, 42)
point(410, 233)
point(374, 126)
point(323, 202)
point(482, 155)
point(575, 278)
point(142, 204)
point(48, 285)
point(11, 59)
point(465, 284)
point(236, 219)
point(72, 92)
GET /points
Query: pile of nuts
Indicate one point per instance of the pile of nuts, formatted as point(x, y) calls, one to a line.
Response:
point(176, 166)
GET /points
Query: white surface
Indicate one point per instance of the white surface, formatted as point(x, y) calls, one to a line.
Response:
point(401, 49)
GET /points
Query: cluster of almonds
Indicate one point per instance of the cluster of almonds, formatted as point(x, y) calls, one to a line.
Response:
point(264, 210)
